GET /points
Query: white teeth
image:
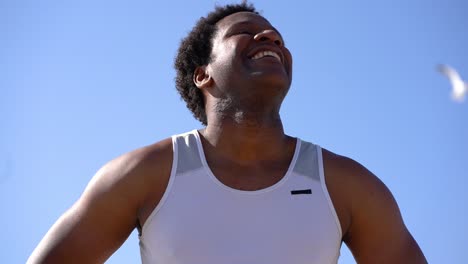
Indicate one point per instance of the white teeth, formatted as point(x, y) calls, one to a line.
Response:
point(265, 53)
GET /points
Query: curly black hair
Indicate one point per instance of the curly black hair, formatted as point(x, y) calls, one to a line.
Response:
point(195, 50)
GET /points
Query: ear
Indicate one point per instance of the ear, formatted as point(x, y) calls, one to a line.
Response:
point(202, 78)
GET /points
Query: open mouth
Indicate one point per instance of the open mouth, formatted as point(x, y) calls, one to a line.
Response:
point(266, 53)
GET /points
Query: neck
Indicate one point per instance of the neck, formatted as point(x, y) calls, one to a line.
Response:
point(246, 137)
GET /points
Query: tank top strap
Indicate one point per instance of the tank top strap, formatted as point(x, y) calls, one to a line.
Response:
point(307, 161)
point(188, 154)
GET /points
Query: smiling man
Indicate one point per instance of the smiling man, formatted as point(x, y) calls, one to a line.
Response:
point(240, 190)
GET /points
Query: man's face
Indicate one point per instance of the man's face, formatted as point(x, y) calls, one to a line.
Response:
point(249, 58)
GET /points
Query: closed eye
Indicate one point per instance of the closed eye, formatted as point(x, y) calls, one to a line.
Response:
point(244, 32)
point(239, 31)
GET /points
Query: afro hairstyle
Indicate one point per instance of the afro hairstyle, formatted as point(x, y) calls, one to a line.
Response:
point(195, 51)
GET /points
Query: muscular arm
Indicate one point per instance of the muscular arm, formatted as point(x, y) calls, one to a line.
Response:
point(374, 229)
point(104, 216)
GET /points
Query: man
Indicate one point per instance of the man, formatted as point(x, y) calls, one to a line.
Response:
point(239, 190)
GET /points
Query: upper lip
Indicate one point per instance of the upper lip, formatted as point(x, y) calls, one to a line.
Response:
point(266, 48)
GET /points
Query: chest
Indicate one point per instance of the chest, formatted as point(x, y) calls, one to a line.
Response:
point(248, 178)
point(205, 222)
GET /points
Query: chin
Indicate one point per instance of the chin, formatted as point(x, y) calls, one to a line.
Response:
point(274, 81)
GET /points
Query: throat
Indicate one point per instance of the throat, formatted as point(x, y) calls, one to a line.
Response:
point(247, 113)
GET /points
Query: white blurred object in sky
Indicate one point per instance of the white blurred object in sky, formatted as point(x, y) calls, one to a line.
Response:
point(459, 87)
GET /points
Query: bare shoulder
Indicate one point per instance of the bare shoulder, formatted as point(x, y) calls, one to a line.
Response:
point(372, 225)
point(139, 175)
point(139, 169)
point(109, 209)
point(142, 159)
point(350, 178)
point(154, 168)
point(350, 185)
point(342, 176)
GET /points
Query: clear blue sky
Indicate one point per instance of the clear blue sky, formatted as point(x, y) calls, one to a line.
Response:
point(82, 82)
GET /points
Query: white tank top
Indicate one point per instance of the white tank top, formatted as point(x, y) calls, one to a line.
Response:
point(199, 220)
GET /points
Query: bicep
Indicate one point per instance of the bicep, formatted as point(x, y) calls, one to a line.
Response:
point(377, 233)
point(95, 226)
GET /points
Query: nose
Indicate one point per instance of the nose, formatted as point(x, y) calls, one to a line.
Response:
point(269, 35)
